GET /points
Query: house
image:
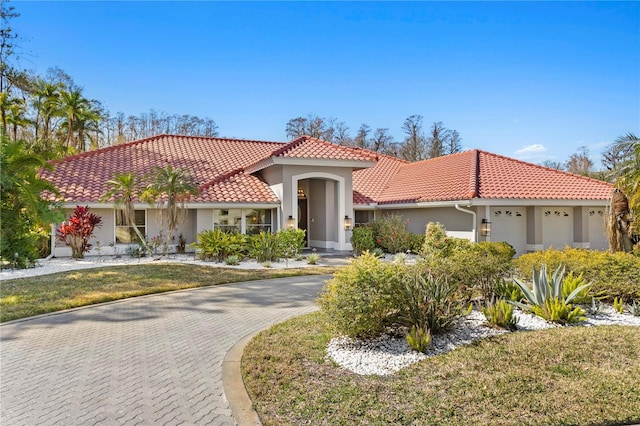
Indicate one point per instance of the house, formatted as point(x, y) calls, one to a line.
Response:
point(248, 186)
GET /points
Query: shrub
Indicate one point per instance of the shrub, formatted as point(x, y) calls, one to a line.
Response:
point(232, 260)
point(218, 244)
point(264, 247)
point(290, 242)
point(362, 239)
point(438, 244)
point(508, 290)
point(612, 274)
point(477, 267)
point(570, 283)
point(557, 310)
point(500, 315)
point(359, 300)
point(546, 298)
point(427, 302)
point(391, 234)
point(313, 259)
point(416, 241)
point(419, 339)
point(76, 231)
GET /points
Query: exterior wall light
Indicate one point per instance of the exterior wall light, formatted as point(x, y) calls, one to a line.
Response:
point(347, 223)
point(291, 222)
point(485, 228)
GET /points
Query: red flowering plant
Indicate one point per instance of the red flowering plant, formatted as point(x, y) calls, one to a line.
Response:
point(77, 230)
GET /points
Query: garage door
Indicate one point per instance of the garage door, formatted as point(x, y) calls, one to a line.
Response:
point(510, 224)
point(557, 227)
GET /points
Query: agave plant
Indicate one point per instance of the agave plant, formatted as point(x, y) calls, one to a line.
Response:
point(547, 293)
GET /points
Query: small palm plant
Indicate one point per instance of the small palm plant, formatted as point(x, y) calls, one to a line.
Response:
point(546, 298)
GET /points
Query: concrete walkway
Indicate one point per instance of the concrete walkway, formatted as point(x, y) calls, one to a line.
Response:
point(154, 360)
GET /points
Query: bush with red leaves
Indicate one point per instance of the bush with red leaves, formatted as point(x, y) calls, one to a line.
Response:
point(77, 230)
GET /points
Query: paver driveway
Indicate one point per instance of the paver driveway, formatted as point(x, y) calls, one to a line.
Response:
point(154, 360)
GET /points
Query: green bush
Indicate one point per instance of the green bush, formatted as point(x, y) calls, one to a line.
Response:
point(290, 242)
point(218, 245)
point(477, 267)
point(500, 315)
point(419, 339)
point(611, 274)
point(359, 300)
point(264, 247)
point(427, 302)
point(416, 241)
point(362, 239)
point(546, 297)
point(438, 244)
point(391, 234)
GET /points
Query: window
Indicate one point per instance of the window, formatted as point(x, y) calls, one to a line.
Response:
point(257, 220)
point(229, 220)
point(249, 221)
point(363, 217)
point(126, 235)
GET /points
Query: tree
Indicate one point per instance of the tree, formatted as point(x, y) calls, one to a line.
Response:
point(169, 189)
point(454, 143)
point(381, 140)
point(413, 148)
point(123, 191)
point(362, 137)
point(579, 162)
point(627, 176)
point(25, 213)
point(45, 101)
point(550, 164)
point(438, 137)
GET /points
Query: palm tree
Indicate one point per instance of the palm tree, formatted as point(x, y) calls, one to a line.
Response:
point(24, 207)
point(16, 116)
point(46, 104)
point(170, 188)
point(72, 103)
point(123, 189)
point(626, 197)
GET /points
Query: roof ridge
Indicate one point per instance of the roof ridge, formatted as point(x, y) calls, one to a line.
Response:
point(475, 174)
point(543, 167)
point(152, 138)
point(221, 178)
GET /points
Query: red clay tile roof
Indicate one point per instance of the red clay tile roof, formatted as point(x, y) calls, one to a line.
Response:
point(308, 147)
point(471, 174)
point(82, 178)
point(219, 166)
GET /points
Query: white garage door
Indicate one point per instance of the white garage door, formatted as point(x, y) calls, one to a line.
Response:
point(510, 224)
point(597, 234)
point(557, 227)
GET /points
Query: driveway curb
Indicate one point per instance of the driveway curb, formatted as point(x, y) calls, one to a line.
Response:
point(234, 389)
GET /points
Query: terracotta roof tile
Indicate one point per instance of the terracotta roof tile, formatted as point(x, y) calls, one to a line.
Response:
point(470, 174)
point(503, 177)
point(82, 178)
point(308, 147)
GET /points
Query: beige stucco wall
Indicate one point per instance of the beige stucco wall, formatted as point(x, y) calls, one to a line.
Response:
point(452, 219)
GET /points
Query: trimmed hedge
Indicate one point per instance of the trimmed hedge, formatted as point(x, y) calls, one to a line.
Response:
point(613, 274)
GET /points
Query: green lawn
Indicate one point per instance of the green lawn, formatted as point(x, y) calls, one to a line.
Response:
point(562, 376)
point(24, 297)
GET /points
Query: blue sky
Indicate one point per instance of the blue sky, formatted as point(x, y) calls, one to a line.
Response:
point(533, 81)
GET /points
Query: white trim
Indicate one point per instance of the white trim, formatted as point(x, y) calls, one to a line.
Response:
point(317, 162)
point(522, 202)
point(474, 232)
point(534, 247)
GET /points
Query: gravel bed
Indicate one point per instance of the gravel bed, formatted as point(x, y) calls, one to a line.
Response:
point(387, 354)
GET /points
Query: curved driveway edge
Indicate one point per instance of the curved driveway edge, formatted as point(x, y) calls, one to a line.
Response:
point(153, 360)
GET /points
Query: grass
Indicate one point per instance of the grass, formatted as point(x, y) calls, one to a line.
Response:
point(25, 297)
point(560, 376)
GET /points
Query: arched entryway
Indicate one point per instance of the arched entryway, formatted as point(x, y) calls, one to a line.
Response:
point(322, 203)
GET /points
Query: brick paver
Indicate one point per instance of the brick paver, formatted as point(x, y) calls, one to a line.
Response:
point(153, 360)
